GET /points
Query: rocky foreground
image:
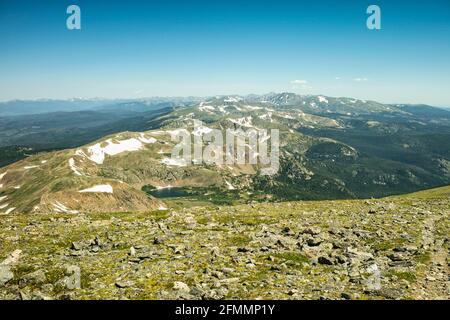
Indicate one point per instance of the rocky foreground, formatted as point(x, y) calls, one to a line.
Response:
point(375, 249)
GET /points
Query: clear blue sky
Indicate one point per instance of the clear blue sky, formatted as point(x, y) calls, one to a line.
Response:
point(195, 47)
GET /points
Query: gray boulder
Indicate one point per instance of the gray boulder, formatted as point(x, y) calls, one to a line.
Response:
point(5, 275)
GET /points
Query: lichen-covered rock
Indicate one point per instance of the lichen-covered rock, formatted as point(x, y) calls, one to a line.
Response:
point(5, 275)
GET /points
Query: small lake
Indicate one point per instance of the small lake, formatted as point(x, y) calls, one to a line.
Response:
point(169, 192)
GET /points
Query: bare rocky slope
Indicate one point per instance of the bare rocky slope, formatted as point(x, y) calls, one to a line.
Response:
point(392, 248)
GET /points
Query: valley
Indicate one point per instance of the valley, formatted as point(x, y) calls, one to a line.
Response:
point(330, 148)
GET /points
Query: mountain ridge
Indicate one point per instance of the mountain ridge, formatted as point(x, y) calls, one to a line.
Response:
point(330, 149)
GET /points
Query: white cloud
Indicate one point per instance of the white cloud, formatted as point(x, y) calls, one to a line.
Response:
point(299, 82)
point(300, 85)
point(337, 78)
point(360, 79)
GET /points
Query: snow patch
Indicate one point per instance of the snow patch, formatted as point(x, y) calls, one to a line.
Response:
point(243, 122)
point(206, 108)
point(199, 131)
point(164, 187)
point(322, 99)
point(143, 139)
point(162, 207)
point(59, 207)
point(10, 210)
point(158, 133)
point(287, 116)
point(30, 167)
point(98, 152)
point(230, 186)
point(74, 168)
point(180, 162)
point(232, 99)
point(267, 116)
point(253, 108)
point(102, 188)
point(222, 109)
point(237, 108)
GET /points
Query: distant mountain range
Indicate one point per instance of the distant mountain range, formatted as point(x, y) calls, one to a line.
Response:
point(331, 148)
point(28, 107)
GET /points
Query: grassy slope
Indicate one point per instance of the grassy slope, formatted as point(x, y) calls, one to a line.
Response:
point(436, 193)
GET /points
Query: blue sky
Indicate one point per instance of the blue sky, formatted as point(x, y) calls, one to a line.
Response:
point(134, 49)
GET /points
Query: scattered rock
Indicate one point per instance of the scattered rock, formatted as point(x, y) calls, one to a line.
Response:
point(313, 242)
point(389, 293)
point(346, 296)
point(340, 253)
point(396, 257)
point(13, 258)
point(37, 277)
point(6, 275)
point(124, 284)
point(77, 246)
point(313, 231)
point(24, 295)
point(181, 286)
point(72, 281)
point(228, 270)
point(325, 260)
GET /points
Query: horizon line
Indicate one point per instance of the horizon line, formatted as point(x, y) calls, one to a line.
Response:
point(42, 99)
